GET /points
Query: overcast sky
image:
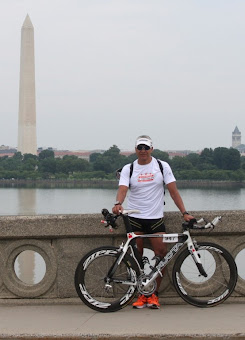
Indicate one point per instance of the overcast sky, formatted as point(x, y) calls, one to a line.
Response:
point(110, 70)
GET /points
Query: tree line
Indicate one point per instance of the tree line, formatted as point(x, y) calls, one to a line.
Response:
point(211, 164)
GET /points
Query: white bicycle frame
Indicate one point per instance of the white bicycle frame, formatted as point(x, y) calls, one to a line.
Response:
point(167, 238)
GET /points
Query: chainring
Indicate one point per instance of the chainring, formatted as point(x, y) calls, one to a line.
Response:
point(150, 289)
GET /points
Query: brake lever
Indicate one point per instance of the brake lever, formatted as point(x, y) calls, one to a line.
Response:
point(110, 219)
point(107, 225)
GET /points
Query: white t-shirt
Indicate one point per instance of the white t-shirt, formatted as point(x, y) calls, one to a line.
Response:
point(146, 187)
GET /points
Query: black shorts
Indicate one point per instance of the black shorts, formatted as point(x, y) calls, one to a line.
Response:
point(147, 226)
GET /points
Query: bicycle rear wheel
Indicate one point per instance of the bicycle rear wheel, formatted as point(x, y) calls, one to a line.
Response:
point(207, 291)
point(94, 287)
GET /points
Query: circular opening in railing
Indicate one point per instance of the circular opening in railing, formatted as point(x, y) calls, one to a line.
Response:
point(30, 267)
point(240, 259)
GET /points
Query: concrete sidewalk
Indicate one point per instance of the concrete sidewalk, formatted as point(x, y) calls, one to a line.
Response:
point(73, 321)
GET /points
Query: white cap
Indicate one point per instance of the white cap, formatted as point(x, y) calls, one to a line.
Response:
point(145, 140)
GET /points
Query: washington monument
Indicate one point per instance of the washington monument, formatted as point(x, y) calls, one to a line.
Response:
point(27, 140)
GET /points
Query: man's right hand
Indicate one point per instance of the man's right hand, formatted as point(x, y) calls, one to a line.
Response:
point(117, 209)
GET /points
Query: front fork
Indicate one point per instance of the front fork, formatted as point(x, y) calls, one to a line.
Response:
point(195, 255)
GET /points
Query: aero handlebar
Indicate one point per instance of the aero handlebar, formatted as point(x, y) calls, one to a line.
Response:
point(110, 220)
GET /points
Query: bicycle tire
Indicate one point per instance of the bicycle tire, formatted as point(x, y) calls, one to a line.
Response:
point(90, 280)
point(202, 291)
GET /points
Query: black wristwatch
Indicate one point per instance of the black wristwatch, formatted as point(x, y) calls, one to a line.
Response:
point(118, 203)
point(185, 213)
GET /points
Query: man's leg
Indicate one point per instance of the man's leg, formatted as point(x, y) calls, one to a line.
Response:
point(142, 299)
point(160, 249)
point(140, 243)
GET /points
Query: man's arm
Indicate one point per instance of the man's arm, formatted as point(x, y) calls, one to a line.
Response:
point(121, 194)
point(174, 193)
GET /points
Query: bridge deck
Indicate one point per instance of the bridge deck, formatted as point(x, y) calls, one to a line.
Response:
point(76, 321)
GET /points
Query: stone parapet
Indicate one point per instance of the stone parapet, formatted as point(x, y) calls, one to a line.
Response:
point(62, 240)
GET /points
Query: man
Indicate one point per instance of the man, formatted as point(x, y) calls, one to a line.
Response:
point(147, 195)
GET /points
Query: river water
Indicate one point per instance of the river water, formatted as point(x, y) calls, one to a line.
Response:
point(30, 266)
point(35, 201)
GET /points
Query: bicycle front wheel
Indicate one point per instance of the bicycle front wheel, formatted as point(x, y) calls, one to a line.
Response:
point(209, 291)
point(100, 290)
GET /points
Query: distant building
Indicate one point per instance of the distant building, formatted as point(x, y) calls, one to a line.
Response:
point(83, 154)
point(127, 153)
point(80, 154)
point(237, 141)
point(180, 153)
point(236, 138)
point(7, 151)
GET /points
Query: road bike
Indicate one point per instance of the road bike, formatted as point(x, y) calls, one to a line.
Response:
point(204, 274)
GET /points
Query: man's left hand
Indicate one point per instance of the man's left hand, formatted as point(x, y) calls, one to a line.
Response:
point(188, 217)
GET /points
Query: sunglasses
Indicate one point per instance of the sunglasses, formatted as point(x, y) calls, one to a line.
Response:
point(143, 147)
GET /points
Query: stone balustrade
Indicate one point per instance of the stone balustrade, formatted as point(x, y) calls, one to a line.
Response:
point(62, 240)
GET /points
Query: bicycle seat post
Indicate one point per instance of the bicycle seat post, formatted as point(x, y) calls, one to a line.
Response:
point(133, 242)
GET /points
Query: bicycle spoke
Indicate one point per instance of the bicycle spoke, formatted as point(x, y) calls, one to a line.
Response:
point(99, 291)
point(204, 291)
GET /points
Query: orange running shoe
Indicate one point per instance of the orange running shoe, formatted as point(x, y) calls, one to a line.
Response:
point(141, 302)
point(153, 302)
